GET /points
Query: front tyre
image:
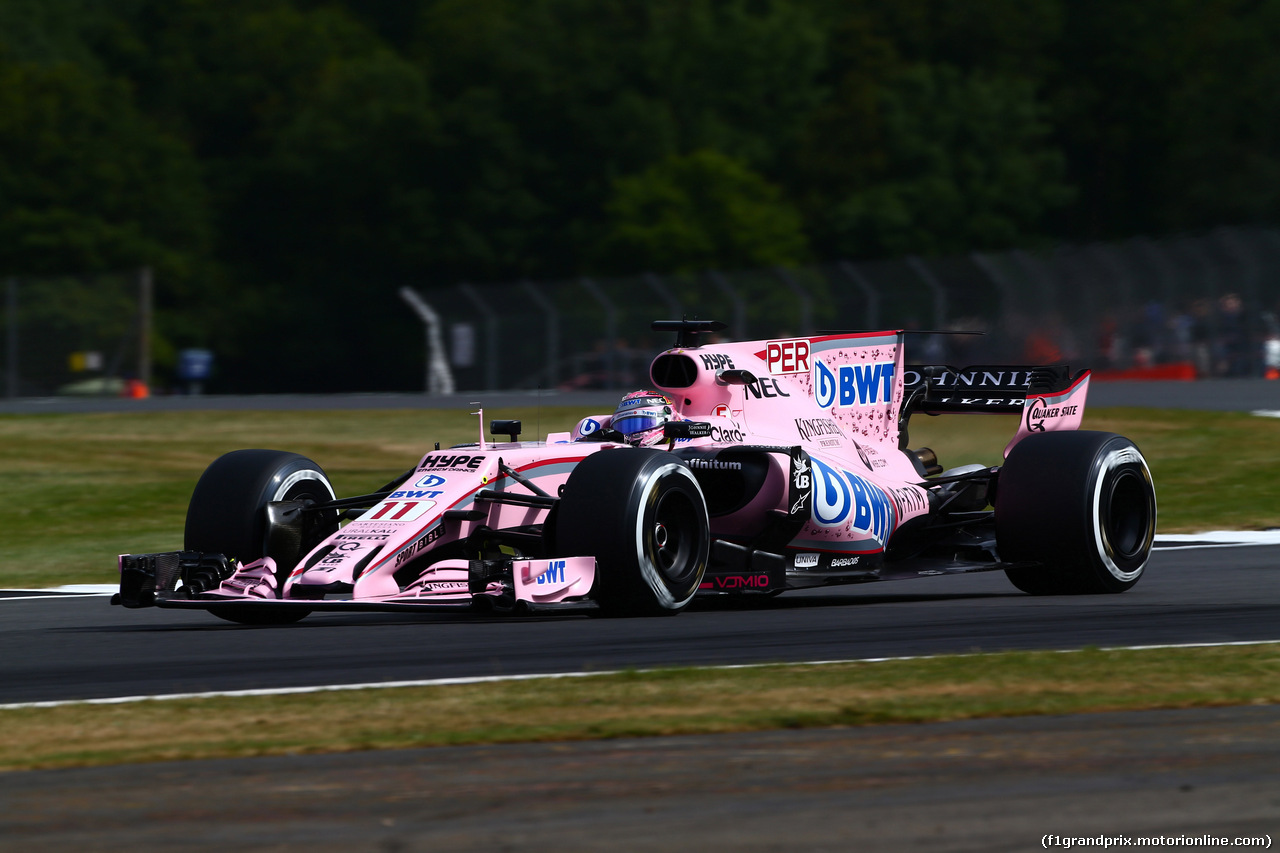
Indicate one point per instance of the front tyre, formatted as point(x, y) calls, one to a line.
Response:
point(1080, 503)
point(642, 515)
point(228, 515)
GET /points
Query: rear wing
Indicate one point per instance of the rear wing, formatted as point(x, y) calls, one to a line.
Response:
point(1048, 398)
point(939, 389)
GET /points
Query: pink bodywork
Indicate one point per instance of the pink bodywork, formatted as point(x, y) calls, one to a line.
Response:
point(1063, 410)
point(366, 553)
point(836, 396)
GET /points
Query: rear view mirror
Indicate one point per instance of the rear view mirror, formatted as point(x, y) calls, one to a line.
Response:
point(511, 429)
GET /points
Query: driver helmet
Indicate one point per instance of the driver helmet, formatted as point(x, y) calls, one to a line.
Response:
point(640, 416)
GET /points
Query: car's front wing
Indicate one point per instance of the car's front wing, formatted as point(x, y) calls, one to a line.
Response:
point(196, 580)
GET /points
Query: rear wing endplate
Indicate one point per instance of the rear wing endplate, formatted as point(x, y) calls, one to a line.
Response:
point(1047, 398)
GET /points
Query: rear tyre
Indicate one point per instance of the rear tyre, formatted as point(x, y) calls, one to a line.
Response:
point(642, 515)
point(228, 515)
point(1080, 503)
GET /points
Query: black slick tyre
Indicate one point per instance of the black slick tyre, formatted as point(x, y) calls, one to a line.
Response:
point(642, 515)
point(1081, 504)
point(228, 515)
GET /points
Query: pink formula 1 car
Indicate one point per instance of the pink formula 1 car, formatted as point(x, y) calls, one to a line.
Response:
point(749, 468)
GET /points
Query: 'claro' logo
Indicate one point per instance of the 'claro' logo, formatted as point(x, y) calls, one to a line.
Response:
point(852, 384)
point(841, 498)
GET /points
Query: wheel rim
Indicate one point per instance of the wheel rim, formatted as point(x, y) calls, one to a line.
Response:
point(1125, 520)
point(1127, 517)
point(672, 540)
point(308, 486)
point(303, 484)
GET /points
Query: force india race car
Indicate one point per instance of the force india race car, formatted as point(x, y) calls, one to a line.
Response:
point(785, 464)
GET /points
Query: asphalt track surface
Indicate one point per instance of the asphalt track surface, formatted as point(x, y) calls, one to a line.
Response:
point(80, 647)
point(984, 785)
point(981, 786)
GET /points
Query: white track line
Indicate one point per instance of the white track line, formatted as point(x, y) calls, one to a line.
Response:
point(1212, 539)
point(490, 679)
point(74, 589)
point(1208, 539)
point(1219, 538)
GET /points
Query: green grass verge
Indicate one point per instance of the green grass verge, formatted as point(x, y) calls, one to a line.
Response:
point(664, 702)
point(80, 489)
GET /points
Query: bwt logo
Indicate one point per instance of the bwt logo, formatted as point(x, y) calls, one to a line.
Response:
point(554, 573)
point(852, 384)
point(787, 356)
point(840, 497)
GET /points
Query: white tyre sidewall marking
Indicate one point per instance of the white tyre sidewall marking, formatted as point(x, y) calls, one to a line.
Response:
point(1114, 459)
point(297, 477)
point(652, 574)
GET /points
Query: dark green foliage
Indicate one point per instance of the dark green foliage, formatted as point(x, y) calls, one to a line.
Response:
point(286, 165)
point(705, 210)
point(966, 165)
point(87, 184)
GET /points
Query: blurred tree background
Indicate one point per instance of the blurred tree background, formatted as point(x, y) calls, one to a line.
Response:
point(286, 165)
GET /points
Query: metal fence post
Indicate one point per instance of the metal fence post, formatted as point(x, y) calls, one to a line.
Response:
point(1246, 258)
point(1166, 275)
point(1271, 237)
point(11, 319)
point(1253, 324)
point(145, 301)
point(1007, 291)
point(873, 298)
point(438, 379)
point(610, 331)
point(1105, 258)
point(939, 293)
point(739, 326)
point(806, 301)
point(490, 335)
point(553, 330)
point(673, 304)
point(1035, 269)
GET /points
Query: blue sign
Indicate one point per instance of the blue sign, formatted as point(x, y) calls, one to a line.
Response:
point(194, 364)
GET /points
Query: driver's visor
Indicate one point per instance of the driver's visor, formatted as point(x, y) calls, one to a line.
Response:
point(638, 422)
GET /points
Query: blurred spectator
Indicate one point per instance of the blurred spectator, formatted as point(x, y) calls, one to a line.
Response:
point(1233, 357)
point(1200, 335)
point(1270, 345)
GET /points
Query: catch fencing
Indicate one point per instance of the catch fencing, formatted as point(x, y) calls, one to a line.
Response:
point(1201, 306)
point(77, 334)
